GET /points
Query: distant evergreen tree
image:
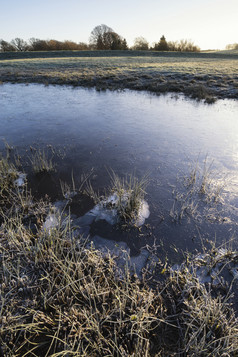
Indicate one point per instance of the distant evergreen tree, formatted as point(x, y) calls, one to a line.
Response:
point(124, 45)
point(162, 45)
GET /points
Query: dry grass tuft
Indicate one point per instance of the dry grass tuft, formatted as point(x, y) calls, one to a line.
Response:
point(41, 162)
point(208, 326)
point(8, 174)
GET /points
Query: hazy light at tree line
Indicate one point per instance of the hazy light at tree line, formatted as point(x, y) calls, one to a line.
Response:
point(210, 24)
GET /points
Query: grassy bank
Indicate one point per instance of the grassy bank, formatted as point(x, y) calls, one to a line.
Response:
point(60, 297)
point(205, 76)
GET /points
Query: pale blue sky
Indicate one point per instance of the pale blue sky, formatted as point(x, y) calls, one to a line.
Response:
point(210, 24)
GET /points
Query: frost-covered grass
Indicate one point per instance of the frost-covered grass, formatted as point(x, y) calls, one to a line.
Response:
point(198, 75)
point(8, 174)
point(41, 161)
point(201, 193)
point(58, 297)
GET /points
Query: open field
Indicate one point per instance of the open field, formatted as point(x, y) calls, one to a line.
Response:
point(205, 75)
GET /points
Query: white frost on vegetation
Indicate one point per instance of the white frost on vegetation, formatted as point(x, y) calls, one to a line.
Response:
point(51, 223)
point(105, 210)
point(20, 181)
point(108, 210)
point(216, 267)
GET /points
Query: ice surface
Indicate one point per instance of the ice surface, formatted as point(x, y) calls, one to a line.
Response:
point(20, 181)
point(50, 223)
point(121, 254)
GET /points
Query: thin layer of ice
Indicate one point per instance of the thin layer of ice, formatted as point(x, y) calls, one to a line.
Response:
point(138, 262)
point(20, 181)
point(234, 272)
point(100, 211)
point(121, 254)
point(50, 223)
point(71, 194)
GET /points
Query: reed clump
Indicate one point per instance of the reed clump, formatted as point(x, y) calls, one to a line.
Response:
point(124, 197)
point(8, 174)
point(41, 162)
point(130, 192)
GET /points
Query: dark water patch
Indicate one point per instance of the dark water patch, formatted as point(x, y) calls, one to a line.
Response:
point(93, 132)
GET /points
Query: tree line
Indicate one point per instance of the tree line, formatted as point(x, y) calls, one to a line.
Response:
point(33, 44)
point(182, 46)
point(233, 46)
point(102, 37)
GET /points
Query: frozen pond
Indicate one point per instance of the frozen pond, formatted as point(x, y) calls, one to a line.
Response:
point(139, 133)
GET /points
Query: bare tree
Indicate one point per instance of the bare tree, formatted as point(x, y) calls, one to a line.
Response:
point(187, 46)
point(99, 36)
point(232, 46)
point(38, 45)
point(104, 38)
point(140, 44)
point(6, 46)
point(82, 46)
point(112, 41)
point(173, 45)
point(20, 44)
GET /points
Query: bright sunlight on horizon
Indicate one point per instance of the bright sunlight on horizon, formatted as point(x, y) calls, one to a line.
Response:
point(210, 24)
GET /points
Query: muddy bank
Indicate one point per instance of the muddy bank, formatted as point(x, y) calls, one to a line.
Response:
point(201, 76)
point(203, 87)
